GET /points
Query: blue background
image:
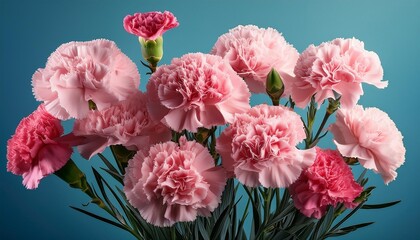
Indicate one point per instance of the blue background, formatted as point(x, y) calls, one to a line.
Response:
point(31, 30)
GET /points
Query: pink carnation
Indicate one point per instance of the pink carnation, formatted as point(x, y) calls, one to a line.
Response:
point(334, 69)
point(253, 52)
point(174, 183)
point(372, 137)
point(81, 71)
point(328, 181)
point(127, 123)
point(35, 150)
point(196, 90)
point(260, 147)
point(150, 25)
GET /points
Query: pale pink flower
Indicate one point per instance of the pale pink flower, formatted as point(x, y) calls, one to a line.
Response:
point(335, 69)
point(150, 25)
point(253, 52)
point(372, 137)
point(35, 150)
point(127, 123)
point(196, 90)
point(172, 183)
point(327, 182)
point(81, 71)
point(260, 147)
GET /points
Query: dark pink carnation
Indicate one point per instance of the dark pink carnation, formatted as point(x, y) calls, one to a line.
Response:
point(253, 52)
point(372, 137)
point(35, 150)
point(196, 90)
point(150, 25)
point(327, 182)
point(81, 71)
point(259, 147)
point(172, 183)
point(335, 69)
point(127, 123)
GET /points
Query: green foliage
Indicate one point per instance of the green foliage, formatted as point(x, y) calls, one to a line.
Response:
point(271, 211)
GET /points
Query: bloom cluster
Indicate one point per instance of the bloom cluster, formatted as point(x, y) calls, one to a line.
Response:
point(177, 166)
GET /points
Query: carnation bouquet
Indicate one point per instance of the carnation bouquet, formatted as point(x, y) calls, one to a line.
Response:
point(191, 158)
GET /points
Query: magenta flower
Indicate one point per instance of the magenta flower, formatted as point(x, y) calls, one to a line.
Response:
point(150, 25)
point(259, 147)
point(335, 69)
point(127, 123)
point(196, 90)
point(253, 52)
point(35, 150)
point(327, 182)
point(372, 137)
point(172, 183)
point(81, 71)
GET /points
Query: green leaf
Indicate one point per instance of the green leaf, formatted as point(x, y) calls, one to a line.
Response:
point(217, 229)
point(111, 169)
point(379, 206)
point(347, 216)
point(115, 175)
point(279, 217)
point(307, 232)
point(99, 180)
point(256, 211)
point(202, 229)
point(346, 230)
point(100, 218)
point(121, 156)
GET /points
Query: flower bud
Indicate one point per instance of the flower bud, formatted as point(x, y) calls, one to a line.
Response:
point(274, 86)
point(73, 176)
point(333, 105)
point(152, 50)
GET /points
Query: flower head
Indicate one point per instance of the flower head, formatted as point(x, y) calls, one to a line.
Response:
point(259, 147)
point(253, 52)
point(35, 150)
point(196, 90)
point(150, 25)
point(81, 71)
point(335, 69)
point(328, 181)
point(172, 183)
point(372, 137)
point(127, 123)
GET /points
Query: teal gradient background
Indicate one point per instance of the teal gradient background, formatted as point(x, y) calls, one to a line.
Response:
point(31, 30)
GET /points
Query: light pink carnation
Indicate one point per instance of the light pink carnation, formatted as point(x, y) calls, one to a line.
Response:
point(260, 147)
point(150, 25)
point(327, 182)
point(126, 123)
point(372, 137)
point(253, 52)
point(35, 150)
point(334, 69)
point(81, 71)
point(196, 90)
point(174, 183)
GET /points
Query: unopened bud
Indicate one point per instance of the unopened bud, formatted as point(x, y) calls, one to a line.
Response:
point(274, 86)
point(333, 105)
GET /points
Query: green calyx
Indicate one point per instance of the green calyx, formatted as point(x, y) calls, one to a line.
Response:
point(152, 50)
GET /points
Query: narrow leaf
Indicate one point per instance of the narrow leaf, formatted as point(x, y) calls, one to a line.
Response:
point(379, 206)
point(99, 218)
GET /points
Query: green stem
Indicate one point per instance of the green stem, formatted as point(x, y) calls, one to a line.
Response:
point(321, 127)
point(268, 192)
point(173, 233)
